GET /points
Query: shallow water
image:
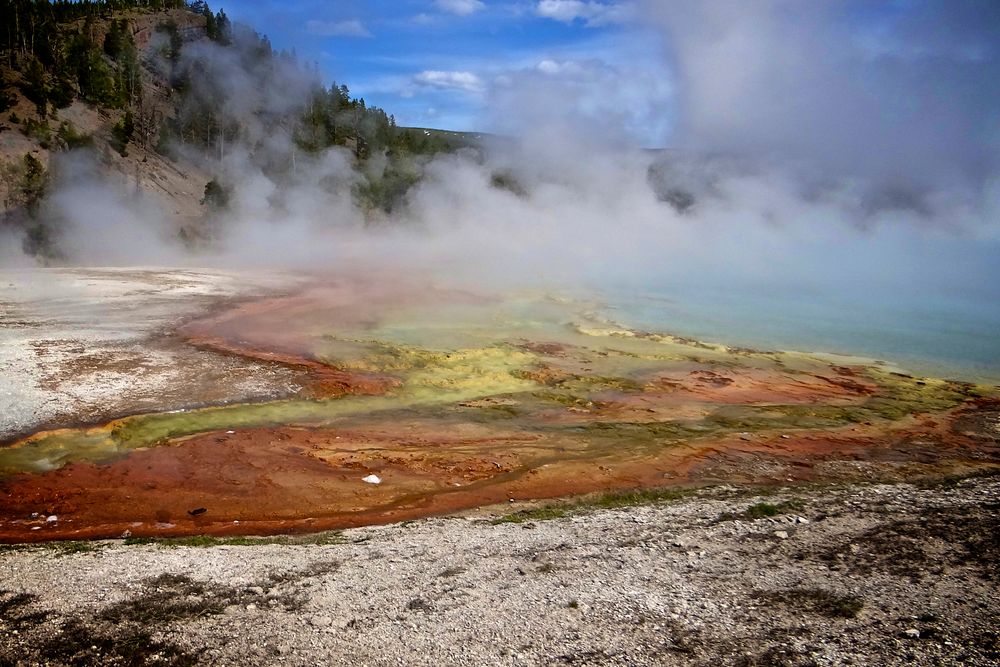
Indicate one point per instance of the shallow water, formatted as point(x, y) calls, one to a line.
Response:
point(943, 336)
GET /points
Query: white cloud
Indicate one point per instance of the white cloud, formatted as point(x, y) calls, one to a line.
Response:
point(623, 101)
point(592, 13)
point(466, 81)
point(460, 7)
point(347, 28)
point(549, 66)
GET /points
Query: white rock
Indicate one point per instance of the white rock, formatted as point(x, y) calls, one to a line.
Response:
point(320, 621)
point(51, 519)
point(781, 534)
point(372, 479)
point(911, 633)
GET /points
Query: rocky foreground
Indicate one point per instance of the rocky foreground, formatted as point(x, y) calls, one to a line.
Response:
point(864, 575)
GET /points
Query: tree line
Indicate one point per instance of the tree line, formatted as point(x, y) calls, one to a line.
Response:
point(58, 51)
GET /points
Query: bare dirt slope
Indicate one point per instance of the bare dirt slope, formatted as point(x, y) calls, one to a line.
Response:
point(174, 183)
point(868, 575)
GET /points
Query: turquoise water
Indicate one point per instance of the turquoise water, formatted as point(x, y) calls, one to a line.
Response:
point(954, 336)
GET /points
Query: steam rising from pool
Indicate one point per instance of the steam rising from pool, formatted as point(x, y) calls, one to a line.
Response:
point(828, 160)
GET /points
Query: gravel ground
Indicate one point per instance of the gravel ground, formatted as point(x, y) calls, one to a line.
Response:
point(863, 575)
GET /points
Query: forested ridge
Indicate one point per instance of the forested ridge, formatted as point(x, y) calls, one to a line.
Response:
point(180, 79)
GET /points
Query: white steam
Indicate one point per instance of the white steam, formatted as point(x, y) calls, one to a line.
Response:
point(812, 148)
point(885, 109)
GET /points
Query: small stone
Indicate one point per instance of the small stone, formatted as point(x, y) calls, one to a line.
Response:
point(256, 590)
point(801, 520)
point(320, 621)
point(372, 479)
point(781, 534)
point(911, 633)
point(251, 607)
point(51, 519)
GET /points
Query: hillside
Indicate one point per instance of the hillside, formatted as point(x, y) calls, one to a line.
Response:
point(157, 100)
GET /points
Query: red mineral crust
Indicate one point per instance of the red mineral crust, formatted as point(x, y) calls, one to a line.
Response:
point(280, 480)
point(650, 430)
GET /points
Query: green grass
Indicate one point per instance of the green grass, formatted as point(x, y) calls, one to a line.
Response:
point(66, 548)
point(204, 541)
point(616, 499)
point(60, 548)
point(543, 513)
point(763, 510)
point(612, 500)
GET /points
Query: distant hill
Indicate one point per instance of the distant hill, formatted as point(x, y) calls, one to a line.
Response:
point(158, 93)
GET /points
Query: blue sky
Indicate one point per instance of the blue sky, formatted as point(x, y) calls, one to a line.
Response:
point(438, 63)
point(720, 74)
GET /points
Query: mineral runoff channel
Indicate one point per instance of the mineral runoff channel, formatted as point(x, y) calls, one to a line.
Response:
point(199, 402)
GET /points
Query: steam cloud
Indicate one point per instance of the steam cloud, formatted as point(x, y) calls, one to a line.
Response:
point(892, 107)
point(826, 144)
